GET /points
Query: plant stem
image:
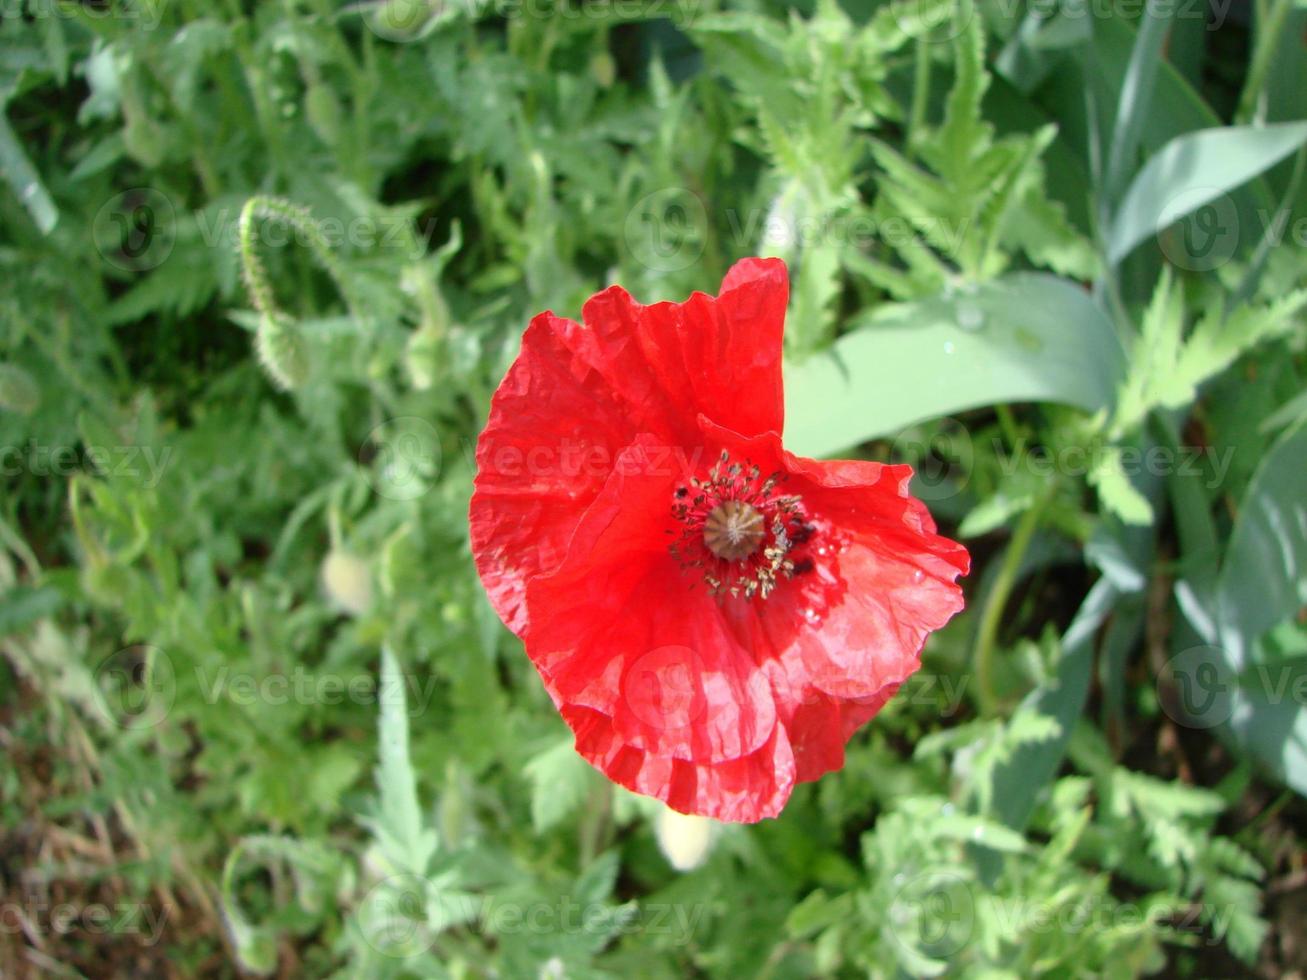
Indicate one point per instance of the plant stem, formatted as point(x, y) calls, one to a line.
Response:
point(920, 92)
point(996, 601)
point(1268, 36)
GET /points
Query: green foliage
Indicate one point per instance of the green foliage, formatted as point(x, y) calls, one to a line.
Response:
point(264, 265)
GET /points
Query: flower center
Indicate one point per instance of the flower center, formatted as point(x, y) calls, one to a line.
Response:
point(738, 530)
point(733, 530)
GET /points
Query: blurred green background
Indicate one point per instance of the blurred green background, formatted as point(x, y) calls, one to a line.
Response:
point(263, 265)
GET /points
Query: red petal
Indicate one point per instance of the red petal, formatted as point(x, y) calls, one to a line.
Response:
point(551, 411)
point(818, 724)
point(721, 357)
point(742, 790)
point(845, 635)
point(619, 628)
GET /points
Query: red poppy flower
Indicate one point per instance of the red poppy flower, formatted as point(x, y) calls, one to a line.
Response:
point(712, 615)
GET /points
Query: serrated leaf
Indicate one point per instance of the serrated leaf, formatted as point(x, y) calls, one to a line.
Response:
point(404, 836)
point(1115, 490)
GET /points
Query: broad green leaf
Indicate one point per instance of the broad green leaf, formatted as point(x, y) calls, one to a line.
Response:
point(1254, 702)
point(1264, 578)
point(1137, 92)
point(1026, 337)
point(1193, 170)
point(23, 179)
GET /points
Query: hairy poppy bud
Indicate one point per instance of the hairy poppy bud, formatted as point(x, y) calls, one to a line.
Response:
point(282, 351)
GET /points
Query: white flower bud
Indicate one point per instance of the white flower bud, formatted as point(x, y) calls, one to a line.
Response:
point(348, 582)
point(684, 839)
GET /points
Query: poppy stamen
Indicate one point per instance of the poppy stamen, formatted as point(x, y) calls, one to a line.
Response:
point(738, 529)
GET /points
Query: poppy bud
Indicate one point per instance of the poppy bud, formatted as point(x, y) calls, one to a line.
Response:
point(603, 69)
point(144, 140)
point(401, 20)
point(322, 109)
point(422, 357)
point(18, 390)
point(347, 581)
point(282, 351)
point(684, 838)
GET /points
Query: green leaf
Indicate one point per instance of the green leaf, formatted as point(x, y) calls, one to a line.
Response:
point(1166, 372)
point(19, 391)
point(1116, 491)
point(1264, 578)
point(1260, 585)
point(560, 780)
point(23, 179)
point(818, 912)
point(399, 824)
point(1017, 782)
point(1196, 168)
point(1137, 92)
point(1025, 337)
point(23, 605)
